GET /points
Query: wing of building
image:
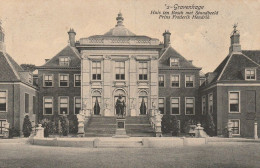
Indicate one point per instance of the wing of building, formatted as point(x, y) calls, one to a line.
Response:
point(18, 95)
point(231, 93)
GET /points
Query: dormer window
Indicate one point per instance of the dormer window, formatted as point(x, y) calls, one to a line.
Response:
point(174, 62)
point(250, 74)
point(64, 61)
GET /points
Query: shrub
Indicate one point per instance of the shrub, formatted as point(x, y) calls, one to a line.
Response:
point(27, 126)
point(13, 132)
point(73, 126)
point(48, 126)
point(175, 128)
point(64, 125)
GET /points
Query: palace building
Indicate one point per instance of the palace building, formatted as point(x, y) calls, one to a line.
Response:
point(90, 75)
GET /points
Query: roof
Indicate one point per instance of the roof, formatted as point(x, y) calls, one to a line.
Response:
point(68, 51)
point(232, 68)
point(118, 35)
point(8, 69)
point(164, 60)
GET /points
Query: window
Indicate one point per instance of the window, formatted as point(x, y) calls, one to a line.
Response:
point(34, 105)
point(175, 80)
point(64, 61)
point(174, 62)
point(64, 80)
point(3, 101)
point(235, 126)
point(234, 102)
point(2, 126)
point(96, 70)
point(64, 105)
point(210, 102)
point(189, 110)
point(175, 105)
point(161, 80)
point(250, 74)
point(161, 105)
point(203, 105)
point(120, 70)
point(77, 80)
point(47, 80)
point(48, 105)
point(26, 102)
point(143, 71)
point(189, 80)
point(77, 105)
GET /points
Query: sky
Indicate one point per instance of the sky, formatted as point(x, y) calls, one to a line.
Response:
point(37, 30)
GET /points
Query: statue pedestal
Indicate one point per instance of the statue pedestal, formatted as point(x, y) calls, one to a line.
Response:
point(81, 119)
point(39, 131)
point(120, 128)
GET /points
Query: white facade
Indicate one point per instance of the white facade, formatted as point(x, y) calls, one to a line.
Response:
point(119, 62)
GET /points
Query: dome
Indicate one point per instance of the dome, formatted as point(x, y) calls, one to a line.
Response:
point(119, 29)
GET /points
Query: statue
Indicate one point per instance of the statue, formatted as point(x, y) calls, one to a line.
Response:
point(120, 106)
point(85, 105)
point(153, 105)
point(133, 104)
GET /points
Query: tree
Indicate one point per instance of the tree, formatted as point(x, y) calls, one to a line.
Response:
point(64, 124)
point(27, 126)
point(29, 67)
point(48, 126)
point(176, 128)
point(143, 107)
point(210, 125)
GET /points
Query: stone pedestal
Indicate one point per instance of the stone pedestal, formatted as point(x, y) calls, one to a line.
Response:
point(158, 124)
point(39, 131)
point(120, 128)
point(81, 120)
point(199, 132)
point(255, 131)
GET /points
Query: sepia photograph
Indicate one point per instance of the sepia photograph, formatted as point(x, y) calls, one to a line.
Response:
point(129, 83)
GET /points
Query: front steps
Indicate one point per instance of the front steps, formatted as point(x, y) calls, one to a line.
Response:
point(100, 126)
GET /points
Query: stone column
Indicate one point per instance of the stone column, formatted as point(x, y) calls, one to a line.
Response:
point(154, 80)
point(133, 88)
point(255, 130)
point(85, 84)
point(106, 76)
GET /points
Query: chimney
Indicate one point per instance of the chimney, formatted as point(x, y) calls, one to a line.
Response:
point(190, 61)
point(46, 60)
point(234, 41)
point(167, 38)
point(72, 35)
point(2, 38)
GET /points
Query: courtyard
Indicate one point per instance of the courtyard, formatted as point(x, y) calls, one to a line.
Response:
point(15, 153)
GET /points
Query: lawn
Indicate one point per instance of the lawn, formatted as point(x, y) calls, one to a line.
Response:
point(228, 154)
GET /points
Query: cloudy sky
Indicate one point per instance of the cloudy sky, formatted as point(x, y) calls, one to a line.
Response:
point(36, 30)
